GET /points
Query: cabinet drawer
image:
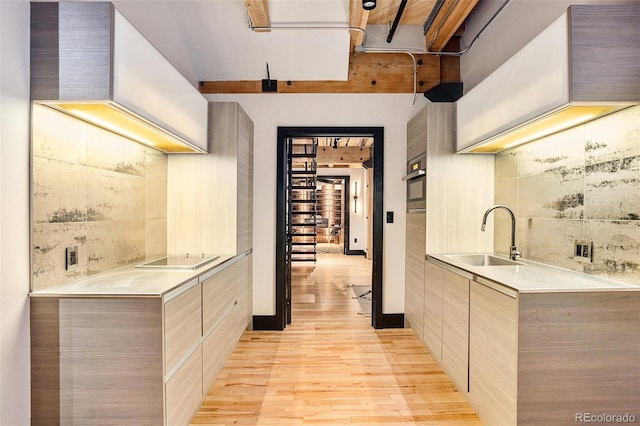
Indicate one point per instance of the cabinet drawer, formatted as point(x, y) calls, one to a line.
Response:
point(218, 294)
point(455, 329)
point(184, 391)
point(219, 345)
point(493, 354)
point(182, 324)
point(433, 295)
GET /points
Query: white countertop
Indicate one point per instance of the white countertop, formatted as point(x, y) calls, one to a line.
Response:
point(533, 277)
point(129, 282)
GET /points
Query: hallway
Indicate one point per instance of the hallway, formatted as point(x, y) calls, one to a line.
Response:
point(330, 366)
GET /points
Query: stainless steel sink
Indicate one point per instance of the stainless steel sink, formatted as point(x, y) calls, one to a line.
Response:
point(482, 260)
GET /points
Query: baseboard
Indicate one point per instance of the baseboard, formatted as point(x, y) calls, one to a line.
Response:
point(265, 322)
point(392, 320)
point(356, 252)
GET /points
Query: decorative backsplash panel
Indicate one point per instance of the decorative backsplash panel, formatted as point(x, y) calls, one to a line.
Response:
point(95, 190)
point(583, 183)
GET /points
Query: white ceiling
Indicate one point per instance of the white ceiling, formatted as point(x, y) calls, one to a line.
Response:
point(211, 39)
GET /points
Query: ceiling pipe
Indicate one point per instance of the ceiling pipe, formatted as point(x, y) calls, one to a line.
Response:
point(410, 52)
point(396, 21)
point(363, 48)
point(309, 27)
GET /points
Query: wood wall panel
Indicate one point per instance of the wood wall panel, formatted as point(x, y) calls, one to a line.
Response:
point(210, 225)
point(245, 183)
point(210, 196)
point(459, 189)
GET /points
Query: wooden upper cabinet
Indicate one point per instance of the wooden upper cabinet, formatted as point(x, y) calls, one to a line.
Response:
point(231, 142)
point(417, 134)
point(210, 196)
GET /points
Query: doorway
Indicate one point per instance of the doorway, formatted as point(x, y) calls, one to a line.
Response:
point(333, 198)
point(283, 241)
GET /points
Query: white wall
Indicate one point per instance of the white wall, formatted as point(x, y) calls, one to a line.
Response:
point(268, 111)
point(14, 213)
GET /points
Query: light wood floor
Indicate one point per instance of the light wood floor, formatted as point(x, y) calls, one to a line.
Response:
point(331, 367)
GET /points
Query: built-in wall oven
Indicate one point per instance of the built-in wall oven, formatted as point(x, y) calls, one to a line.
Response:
point(416, 179)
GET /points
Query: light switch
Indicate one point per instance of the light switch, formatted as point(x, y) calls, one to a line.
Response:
point(389, 217)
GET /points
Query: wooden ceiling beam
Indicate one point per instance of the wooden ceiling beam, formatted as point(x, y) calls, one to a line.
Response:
point(368, 73)
point(343, 155)
point(258, 13)
point(358, 18)
point(450, 65)
point(441, 31)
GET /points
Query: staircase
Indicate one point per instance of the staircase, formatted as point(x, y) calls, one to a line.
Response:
point(302, 204)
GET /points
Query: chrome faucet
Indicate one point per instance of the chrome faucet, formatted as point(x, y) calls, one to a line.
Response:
point(513, 251)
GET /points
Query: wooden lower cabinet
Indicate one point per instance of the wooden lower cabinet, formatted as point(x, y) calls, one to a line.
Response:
point(433, 293)
point(414, 270)
point(455, 329)
point(96, 361)
point(446, 322)
point(182, 323)
point(493, 353)
point(534, 358)
point(183, 391)
point(136, 360)
point(223, 331)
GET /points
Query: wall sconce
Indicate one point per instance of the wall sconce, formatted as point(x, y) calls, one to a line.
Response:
point(355, 198)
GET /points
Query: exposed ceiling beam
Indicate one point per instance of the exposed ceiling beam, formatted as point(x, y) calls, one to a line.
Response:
point(258, 13)
point(343, 155)
point(450, 65)
point(368, 73)
point(442, 30)
point(358, 18)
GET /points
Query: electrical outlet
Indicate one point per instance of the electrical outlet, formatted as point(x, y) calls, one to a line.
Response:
point(583, 250)
point(71, 257)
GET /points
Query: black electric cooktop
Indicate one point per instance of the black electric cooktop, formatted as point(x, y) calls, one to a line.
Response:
point(177, 262)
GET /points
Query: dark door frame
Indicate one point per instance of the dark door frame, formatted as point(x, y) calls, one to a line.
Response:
point(378, 319)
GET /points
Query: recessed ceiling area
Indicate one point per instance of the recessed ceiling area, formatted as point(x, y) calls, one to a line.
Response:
point(212, 40)
point(213, 45)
